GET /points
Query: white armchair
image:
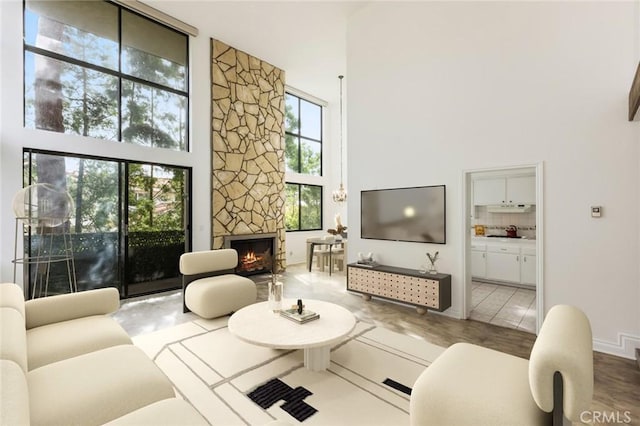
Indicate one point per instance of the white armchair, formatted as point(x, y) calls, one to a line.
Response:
point(472, 385)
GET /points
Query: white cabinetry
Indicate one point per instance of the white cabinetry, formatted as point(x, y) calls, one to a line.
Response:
point(488, 192)
point(503, 263)
point(521, 190)
point(478, 260)
point(509, 190)
point(509, 262)
point(528, 266)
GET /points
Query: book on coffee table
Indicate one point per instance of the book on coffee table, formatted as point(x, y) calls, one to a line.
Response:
point(302, 318)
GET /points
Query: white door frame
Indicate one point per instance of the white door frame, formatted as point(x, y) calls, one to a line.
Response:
point(466, 227)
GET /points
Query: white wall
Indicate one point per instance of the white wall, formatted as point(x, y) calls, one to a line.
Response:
point(307, 40)
point(437, 88)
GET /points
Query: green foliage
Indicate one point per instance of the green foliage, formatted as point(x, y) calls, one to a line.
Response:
point(292, 207)
point(299, 153)
point(303, 208)
point(155, 198)
point(95, 191)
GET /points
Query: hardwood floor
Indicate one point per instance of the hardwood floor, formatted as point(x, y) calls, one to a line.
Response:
point(617, 380)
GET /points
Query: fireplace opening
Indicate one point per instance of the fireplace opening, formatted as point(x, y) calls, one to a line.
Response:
point(255, 255)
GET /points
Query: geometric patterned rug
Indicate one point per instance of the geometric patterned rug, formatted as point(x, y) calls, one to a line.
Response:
point(368, 382)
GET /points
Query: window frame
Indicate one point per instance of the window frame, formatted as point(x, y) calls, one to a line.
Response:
point(299, 136)
point(119, 74)
point(299, 185)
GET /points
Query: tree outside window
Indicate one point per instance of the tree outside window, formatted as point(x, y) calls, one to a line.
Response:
point(303, 207)
point(303, 157)
point(76, 82)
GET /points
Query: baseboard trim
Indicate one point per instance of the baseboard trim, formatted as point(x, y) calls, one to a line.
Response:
point(625, 346)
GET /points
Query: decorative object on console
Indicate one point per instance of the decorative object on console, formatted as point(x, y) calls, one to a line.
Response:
point(275, 290)
point(432, 262)
point(366, 260)
point(340, 195)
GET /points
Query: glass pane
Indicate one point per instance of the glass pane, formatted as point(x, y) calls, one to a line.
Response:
point(82, 30)
point(291, 153)
point(156, 198)
point(93, 227)
point(153, 117)
point(156, 236)
point(67, 98)
point(311, 163)
point(292, 118)
point(311, 207)
point(310, 120)
point(292, 216)
point(153, 52)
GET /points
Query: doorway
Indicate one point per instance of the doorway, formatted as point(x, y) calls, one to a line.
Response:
point(503, 246)
point(130, 222)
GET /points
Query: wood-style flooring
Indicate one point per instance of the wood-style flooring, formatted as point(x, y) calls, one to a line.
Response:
point(617, 380)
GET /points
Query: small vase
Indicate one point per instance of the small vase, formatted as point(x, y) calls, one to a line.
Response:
point(275, 294)
point(432, 268)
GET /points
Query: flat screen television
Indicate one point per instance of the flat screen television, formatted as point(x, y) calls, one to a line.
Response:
point(404, 214)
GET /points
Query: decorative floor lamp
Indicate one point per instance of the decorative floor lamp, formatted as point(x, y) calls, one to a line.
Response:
point(44, 211)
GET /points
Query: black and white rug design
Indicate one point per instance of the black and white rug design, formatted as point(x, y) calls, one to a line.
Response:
point(231, 382)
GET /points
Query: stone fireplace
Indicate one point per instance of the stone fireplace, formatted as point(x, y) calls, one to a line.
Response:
point(248, 169)
point(255, 252)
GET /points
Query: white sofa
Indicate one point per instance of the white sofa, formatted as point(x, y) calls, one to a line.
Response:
point(472, 385)
point(64, 361)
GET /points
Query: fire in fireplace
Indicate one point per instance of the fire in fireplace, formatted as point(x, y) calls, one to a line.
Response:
point(254, 263)
point(255, 253)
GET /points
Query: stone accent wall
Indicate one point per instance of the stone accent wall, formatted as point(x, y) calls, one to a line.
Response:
point(248, 147)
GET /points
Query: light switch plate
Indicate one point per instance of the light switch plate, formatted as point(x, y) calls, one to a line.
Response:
point(596, 211)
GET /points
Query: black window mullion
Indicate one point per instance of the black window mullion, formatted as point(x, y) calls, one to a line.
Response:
point(120, 76)
point(299, 207)
point(299, 134)
point(118, 73)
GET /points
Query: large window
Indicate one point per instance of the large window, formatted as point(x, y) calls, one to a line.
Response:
point(303, 136)
point(128, 228)
point(304, 207)
point(303, 158)
point(92, 68)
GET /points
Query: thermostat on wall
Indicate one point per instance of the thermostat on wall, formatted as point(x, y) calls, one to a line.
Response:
point(596, 211)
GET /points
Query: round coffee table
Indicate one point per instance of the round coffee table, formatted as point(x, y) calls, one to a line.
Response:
point(258, 325)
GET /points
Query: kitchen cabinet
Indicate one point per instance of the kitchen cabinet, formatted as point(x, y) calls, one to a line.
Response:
point(503, 263)
point(528, 266)
point(508, 190)
point(478, 260)
point(521, 190)
point(488, 192)
point(510, 262)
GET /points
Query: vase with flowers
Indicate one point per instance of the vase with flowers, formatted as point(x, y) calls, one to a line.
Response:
point(430, 265)
point(340, 230)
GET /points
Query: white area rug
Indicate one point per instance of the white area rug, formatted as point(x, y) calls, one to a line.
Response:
point(215, 371)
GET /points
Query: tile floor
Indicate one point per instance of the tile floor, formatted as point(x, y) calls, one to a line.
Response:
point(504, 306)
